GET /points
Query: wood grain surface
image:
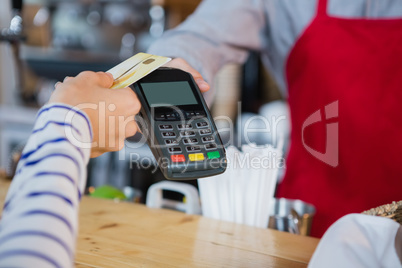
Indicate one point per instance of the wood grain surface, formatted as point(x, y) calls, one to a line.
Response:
point(120, 234)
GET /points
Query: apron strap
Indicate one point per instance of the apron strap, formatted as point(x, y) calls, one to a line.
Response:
point(322, 7)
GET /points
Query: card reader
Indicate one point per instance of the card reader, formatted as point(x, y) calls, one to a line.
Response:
point(178, 125)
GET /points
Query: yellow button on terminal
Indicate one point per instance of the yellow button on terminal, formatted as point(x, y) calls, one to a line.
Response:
point(196, 157)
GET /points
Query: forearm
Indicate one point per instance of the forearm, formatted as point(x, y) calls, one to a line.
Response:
point(39, 221)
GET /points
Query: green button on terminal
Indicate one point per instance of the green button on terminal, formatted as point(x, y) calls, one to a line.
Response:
point(212, 155)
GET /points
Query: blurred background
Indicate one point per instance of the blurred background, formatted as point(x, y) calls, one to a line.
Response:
point(42, 41)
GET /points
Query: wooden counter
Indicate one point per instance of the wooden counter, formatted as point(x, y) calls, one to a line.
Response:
point(131, 235)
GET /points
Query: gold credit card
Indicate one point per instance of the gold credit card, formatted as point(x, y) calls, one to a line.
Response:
point(133, 69)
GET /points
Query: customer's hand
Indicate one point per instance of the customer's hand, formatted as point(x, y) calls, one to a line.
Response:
point(111, 111)
point(179, 63)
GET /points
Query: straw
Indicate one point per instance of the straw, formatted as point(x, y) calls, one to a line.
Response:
point(242, 194)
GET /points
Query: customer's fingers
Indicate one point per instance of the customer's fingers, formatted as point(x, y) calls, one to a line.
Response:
point(111, 76)
point(105, 79)
point(131, 128)
point(57, 84)
point(100, 78)
point(127, 100)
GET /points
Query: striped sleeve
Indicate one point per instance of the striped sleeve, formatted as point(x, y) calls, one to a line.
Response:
point(38, 227)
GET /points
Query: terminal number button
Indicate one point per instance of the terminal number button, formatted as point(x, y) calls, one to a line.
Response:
point(210, 146)
point(185, 126)
point(202, 124)
point(175, 150)
point(192, 149)
point(165, 127)
point(208, 139)
point(168, 134)
point(187, 133)
point(190, 141)
point(205, 131)
point(171, 142)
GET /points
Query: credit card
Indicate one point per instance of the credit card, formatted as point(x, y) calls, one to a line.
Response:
point(133, 69)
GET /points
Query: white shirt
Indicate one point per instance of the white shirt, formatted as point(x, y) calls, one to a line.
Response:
point(358, 241)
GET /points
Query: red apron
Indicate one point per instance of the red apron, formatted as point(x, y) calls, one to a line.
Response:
point(345, 95)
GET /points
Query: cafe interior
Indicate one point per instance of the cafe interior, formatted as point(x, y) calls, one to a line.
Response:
point(131, 215)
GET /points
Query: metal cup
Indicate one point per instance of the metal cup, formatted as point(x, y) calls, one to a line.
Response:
point(290, 215)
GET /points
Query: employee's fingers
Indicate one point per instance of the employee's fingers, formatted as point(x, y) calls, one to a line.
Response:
point(202, 85)
point(183, 65)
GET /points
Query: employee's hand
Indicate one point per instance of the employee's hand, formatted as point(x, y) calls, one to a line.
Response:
point(111, 111)
point(179, 63)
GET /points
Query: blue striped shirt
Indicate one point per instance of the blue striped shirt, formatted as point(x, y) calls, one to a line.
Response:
point(40, 216)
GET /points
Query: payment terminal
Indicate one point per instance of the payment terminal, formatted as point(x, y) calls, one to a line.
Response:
point(178, 125)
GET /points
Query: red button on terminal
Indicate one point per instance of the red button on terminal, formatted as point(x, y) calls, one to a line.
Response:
point(178, 158)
